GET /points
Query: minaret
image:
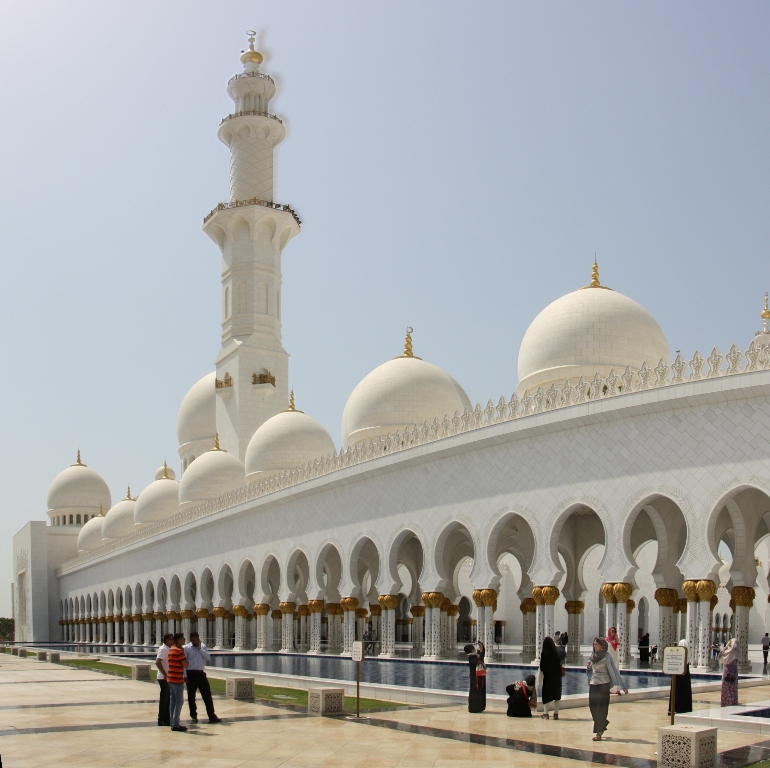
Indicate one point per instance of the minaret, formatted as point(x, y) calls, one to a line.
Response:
point(251, 230)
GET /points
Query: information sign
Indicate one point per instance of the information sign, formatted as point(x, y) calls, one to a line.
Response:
point(674, 660)
point(358, 650)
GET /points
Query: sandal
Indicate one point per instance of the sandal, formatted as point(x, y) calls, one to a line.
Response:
point(597, 737)
point(556, 716)
point(544, 716)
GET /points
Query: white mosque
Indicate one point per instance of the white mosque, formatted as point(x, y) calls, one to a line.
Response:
point(601, 492)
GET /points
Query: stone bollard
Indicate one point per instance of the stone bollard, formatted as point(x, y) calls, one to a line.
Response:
point(22, 653)
point(325, 701)
point(687, 745)
point(15, 651)
point(240, 688)
point(54, 657)
point(141, 672)
point(42, 656)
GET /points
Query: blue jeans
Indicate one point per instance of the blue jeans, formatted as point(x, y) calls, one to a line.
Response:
point(176, 699)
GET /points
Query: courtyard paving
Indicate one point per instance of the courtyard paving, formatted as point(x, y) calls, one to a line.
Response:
point(56, 715)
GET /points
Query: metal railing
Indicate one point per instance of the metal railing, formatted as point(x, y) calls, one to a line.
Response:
point(254, 201)
point(251, 112)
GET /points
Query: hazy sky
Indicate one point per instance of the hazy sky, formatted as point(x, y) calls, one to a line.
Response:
point(455, 165)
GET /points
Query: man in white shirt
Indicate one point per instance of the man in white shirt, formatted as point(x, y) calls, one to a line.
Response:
point(198, 656)
point(161, 662)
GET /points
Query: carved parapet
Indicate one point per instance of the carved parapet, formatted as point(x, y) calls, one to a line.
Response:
point(574, 606)
point(202, 613)
point(220, 613)
point(537, 596)
point(349, 603)
point(608, 592)
point(453, 610)
point(361, 613)
point(622, 591)
point(706, 588)
point(434, 599)
point(275, 615)
point(418, 611)
point(287, 607)
point(375, 609)
point(314, 606)
point(389, 602)
point(743, 596)
point(630, 605)
point(239, 610)
point(690, 589)
point(550, 595)
point(714, 600)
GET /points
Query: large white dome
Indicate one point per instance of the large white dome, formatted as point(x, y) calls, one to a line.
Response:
point(78, 489)
point(212, 474)
point(119, 521)
point(158, 501)
point(589, 330)
point(400, 393)
point(196, 419)
point(90, 536)
point(287, 440)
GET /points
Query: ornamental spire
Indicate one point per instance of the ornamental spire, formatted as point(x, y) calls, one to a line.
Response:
point(216, 442)
point(79, 463)
point(408, 342)
point(595, 275)
point(291, 401)
point(165, 471)
point(101, 511)
point(251, 59)
point(766, 317)
point(128, 494)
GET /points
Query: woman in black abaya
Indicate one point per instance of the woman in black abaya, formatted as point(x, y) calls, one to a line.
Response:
point(477, 694)
point(550, 666)
point(683, 701)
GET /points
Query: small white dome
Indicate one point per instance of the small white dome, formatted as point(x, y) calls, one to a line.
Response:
point(90, 536)
point(158, 501)
point(196, 419)
point(399, 394)
point(287, 440)
point(78, 489)
point(212, 474)
point(119, 521)
point(589, 330)
point(165, 471)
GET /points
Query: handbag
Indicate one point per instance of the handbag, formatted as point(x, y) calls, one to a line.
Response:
point(481, 673)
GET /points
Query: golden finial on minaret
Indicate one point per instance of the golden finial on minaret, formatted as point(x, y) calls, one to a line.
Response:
point(165, 471)
point(595, 275)
point(216, 442)
point(408, 342)
point(128, 494)
point(251, 55)
point(291, 401)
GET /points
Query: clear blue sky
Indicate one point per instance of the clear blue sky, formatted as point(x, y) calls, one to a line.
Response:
point(456, 166)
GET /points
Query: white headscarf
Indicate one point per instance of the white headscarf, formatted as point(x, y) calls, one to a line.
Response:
point(730, 652)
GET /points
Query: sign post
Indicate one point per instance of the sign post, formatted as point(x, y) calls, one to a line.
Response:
point(674, 663)
point(358, 657)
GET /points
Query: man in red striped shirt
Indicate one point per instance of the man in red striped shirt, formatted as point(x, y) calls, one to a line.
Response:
point(177, 662)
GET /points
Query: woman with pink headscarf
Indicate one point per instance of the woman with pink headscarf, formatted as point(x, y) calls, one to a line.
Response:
point(612, 649)
point(728, 658)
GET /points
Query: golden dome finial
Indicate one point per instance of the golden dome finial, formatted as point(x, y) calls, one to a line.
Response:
point(251, 55)
point(79, 462)
point(291, 401)
point(128, 494)
point(165, 471)
point(216, 442)
point(595, 275)
point(766, 311)
point(101, 511)
point(408, 342)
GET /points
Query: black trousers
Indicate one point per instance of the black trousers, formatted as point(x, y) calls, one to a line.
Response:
point(164, 717)
point(599, 704)
point(197, 681)
point(764, 656)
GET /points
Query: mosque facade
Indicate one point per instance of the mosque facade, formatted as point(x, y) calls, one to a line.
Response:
point(602, 492)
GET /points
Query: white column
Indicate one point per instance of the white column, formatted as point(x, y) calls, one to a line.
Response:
point(743, 600)
point(348, 631)
point(315, 607)
point(610, 606)
point(574, 609)
point(202, 615)
point(251, 623)
point(158, 628)
point(666, 599)
point(240, 627)
point(452, 616)
point(692, 633)
point(489, 627)
point(260, 616)
point(287, 627)
point(111, 631)
point(137, 621)
point(334, 627)
point(304, 629)
point(539, 626)
point(622, 592)
point(219, 629)
point(418, 617)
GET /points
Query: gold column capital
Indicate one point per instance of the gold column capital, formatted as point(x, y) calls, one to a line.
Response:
point(622, 591)
point(690, 589)
point(706, 588)
point(550, 594)
point(608, 592)
point(287, 607)
point(537, 595)
point(574, 606)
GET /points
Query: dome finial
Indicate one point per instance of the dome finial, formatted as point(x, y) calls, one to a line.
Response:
point(128, 494)
point(79, 463)
point(165, 471)
point(101, 511)
point(251, 56)
point(408, 342)
point(291, 401)
point(766, 311)
point(216, 442)
point(595, 275)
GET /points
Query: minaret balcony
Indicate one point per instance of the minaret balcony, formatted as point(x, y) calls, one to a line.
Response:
point(224, 387)
point(253, 201)
point(250, 112)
